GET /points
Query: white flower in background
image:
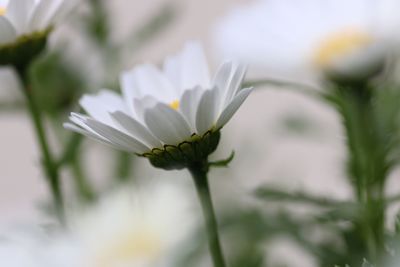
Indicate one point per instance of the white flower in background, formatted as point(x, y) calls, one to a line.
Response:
point(24, 17)
point(148, 228)
point(135, 229)
point(349, 38)
point(167, 107)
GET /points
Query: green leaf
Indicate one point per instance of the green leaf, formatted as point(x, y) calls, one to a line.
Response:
point(270, 194)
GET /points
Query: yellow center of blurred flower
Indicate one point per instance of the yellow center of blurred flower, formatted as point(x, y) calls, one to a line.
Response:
point(142, 245)
point(174, 104)
point(2, 11)
point(340, 44)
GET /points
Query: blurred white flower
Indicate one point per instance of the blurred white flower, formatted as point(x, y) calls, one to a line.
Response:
point(340, 37)
point(125, 229)
point(134, 228)
point(165, 107)
point(24, 17)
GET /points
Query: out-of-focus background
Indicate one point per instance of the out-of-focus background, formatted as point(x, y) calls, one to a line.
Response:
point(280, 138)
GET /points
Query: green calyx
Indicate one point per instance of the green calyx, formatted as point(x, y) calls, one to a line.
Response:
point(195, 150)
point(23, 50)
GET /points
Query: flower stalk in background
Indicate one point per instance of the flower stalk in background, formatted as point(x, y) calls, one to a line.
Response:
point(173, 118)
point(346, 44)
point(24, 28)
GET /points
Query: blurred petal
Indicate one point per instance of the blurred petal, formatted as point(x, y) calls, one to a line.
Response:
point(19, 13)
point(7, 31)
point(99, 106)
point(150, 81)
point(194, 66)
point(44, 13)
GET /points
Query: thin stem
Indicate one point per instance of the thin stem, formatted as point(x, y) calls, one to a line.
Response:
point(81, 183)
point(199, 174)
point(50, 167)
point(71, 150)
point(368, 167)
point(123, 168)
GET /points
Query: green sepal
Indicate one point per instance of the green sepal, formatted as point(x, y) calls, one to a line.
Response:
point(222, 163)
point(24, 49)
point(185, 154)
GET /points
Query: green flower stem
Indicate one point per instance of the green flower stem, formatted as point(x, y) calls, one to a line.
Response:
point(82, 184)
point(50, 167)
point(199, 173)
point(368, 166)
point(123, 169)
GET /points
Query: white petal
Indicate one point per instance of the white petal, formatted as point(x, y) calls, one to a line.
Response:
point(117, 137)
point(136, 129)
point(81, 120)
point(223, 77)
point(207, 111)
point(112, 136)
point(140, 105)
point(44, 13)
point(232, 107)
point(7, 31)
point(77, 129)
point(172, 69)
point(99, 106)
point(150, 81)
point(234, 86)
point(19, 13)
point(61, 11)
point(167, 124)
point(188, 105)
point(129, 88)
point(194, 67)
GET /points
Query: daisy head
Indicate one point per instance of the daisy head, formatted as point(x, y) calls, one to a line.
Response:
point(133, 228)
point(24, 26)
point(346, 39)
point(171, 115)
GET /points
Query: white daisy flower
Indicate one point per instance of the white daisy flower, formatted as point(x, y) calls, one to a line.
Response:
point(134, 228)
point(24, 17)
point(148, 228)
point(166, 112)
point(24, 27)
point(348, 38)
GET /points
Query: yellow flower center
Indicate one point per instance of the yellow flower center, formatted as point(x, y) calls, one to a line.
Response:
point(2, 11)
point(174, 104)
point(340, 44)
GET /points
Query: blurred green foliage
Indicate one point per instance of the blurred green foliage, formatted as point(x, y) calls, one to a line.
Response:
point(57, 84)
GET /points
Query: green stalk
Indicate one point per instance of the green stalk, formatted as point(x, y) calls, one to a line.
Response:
point(123, 166)
point(368, 165)
point(199, 173)
point(50, 167)
point(82, 184)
